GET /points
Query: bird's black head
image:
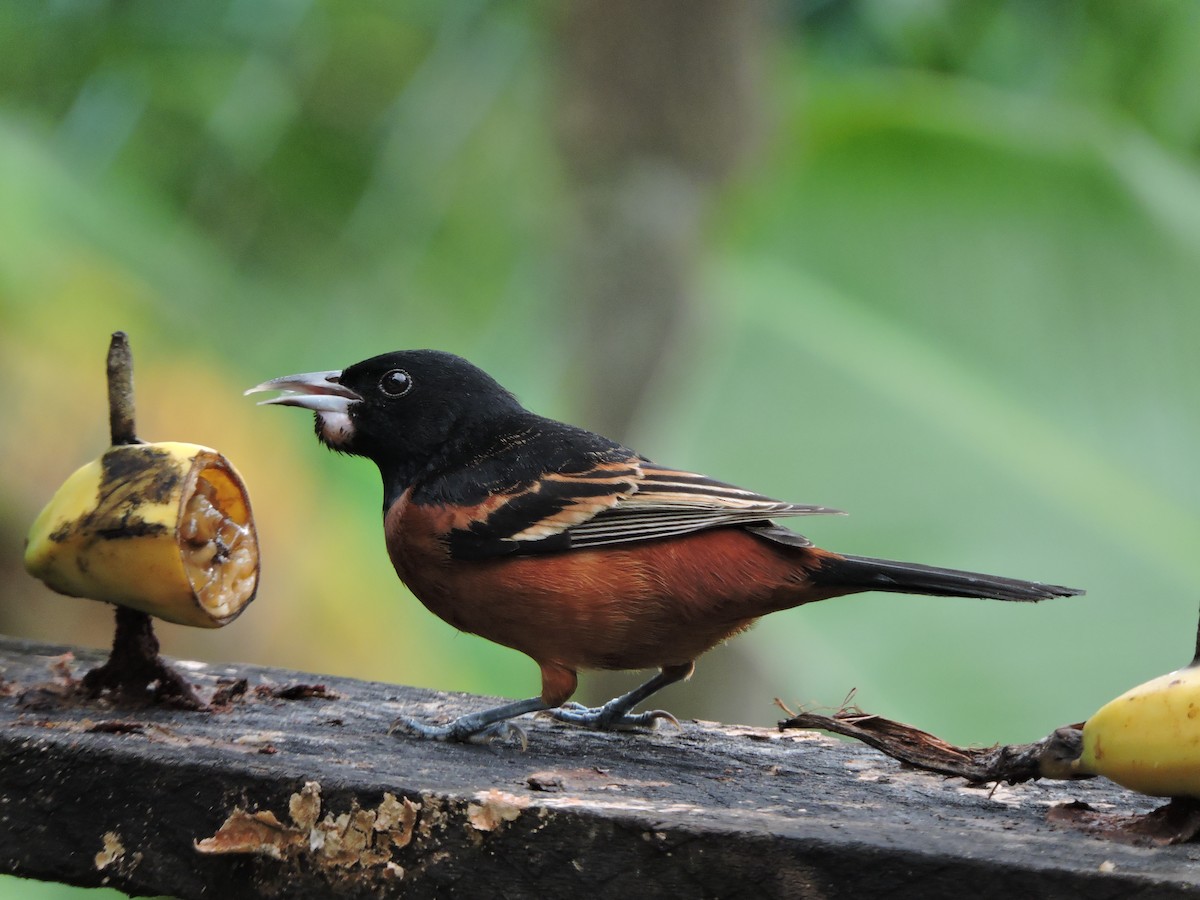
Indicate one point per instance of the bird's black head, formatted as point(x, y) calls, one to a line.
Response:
point(402, 410)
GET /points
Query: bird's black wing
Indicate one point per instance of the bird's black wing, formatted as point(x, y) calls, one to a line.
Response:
point(609, 497)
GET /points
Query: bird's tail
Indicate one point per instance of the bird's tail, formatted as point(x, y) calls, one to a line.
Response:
point(860, 573)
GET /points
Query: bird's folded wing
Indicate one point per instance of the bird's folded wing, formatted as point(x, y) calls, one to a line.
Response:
point(671, 502)
point(612, 502)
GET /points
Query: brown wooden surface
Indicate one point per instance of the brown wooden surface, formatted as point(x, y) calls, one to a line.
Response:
point(94, 795)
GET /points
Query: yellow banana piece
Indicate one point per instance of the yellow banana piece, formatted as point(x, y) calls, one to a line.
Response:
point(1148, 739)
point(165, 528)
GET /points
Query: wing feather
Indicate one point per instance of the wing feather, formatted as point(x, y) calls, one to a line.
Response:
point(616, 502)
point(670, 502)
point(538, 516)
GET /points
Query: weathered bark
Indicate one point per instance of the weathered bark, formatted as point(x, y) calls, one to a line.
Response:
point(95, 794)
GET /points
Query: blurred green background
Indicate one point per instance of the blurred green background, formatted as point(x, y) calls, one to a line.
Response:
point(933, 263)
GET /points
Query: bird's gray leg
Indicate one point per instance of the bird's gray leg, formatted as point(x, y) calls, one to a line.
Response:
point(475, 728)
point(614, 715)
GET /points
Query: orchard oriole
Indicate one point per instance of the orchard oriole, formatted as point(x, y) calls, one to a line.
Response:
point(569, 547)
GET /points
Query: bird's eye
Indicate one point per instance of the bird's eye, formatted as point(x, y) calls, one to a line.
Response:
point(396, 383)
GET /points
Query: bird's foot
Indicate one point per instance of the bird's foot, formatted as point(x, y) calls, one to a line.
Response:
point(463, 730)
point(484, 727)
point(612, 716)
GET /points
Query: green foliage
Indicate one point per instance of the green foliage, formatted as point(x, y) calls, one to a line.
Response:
point(954, 294)
point(25, 889)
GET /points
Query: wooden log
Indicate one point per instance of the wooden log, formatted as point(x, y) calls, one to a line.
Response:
point(291, 787)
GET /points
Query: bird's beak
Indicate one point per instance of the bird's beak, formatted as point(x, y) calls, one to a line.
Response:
point(318, 391)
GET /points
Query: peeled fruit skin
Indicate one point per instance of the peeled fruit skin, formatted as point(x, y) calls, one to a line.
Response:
point(1148, 739)
point(165, 528)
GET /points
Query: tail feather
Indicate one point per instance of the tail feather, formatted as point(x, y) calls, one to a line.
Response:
point(866, 574)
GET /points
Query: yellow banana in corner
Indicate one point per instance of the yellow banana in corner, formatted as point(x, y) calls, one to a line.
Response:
point(165, 528)
point(1148, 739)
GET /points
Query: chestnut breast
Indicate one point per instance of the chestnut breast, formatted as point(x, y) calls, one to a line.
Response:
point(630, 606)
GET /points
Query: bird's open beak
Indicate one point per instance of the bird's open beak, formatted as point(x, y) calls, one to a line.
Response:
point(318, 391)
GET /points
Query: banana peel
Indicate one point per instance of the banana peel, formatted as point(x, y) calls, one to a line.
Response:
point(165, 528)
point(1148, 739)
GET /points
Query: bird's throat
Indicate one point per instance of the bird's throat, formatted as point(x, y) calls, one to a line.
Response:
point(334, 429)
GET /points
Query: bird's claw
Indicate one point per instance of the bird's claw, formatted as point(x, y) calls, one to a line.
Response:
point(608, 718)
point(461, 731)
